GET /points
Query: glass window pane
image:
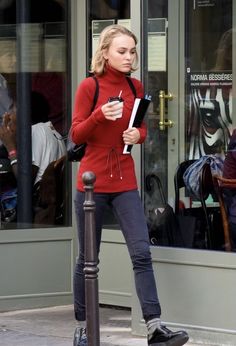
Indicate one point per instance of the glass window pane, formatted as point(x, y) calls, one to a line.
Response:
point(34, 78)
point(208, 92)
point(193, 61)
point(209, 78)
point(156, 79)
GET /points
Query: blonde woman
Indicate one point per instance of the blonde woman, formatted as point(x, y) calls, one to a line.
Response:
point(106, 133)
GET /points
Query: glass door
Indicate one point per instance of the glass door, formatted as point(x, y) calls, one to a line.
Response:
point(160, 74)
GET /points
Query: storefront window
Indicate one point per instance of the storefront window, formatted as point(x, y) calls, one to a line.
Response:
point(209, 78)
point(34, 101)
point(208, 112)
point(187, 69)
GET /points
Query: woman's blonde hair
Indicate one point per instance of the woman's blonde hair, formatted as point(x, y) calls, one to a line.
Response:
point(98, 64)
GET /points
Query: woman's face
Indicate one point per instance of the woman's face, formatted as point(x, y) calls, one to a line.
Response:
point(121, 53)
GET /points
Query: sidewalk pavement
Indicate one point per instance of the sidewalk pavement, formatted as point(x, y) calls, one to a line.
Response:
point(55, 326)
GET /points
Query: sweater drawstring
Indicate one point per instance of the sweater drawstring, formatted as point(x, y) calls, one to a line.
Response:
point(110, 155)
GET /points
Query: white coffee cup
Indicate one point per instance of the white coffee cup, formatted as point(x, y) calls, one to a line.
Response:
point(121, 105)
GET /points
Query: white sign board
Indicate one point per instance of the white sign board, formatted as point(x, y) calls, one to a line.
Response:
point(97, 27)
point(125, 22)
point(157, 44)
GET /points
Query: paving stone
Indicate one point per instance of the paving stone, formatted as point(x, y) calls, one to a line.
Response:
point(55, 327)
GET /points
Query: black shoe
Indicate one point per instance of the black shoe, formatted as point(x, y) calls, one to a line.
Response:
point(164, 337)
point(80, 338)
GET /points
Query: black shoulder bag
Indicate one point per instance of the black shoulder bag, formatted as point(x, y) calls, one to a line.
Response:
point(75, 152)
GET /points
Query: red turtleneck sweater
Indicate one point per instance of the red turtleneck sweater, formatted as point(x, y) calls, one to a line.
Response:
point(114, 171)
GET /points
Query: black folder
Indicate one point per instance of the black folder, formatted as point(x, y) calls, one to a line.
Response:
point(138, 113)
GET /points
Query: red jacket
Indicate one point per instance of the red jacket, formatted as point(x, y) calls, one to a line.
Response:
point(114, 171)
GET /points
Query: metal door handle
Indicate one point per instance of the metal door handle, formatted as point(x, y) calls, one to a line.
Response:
point(163, 123)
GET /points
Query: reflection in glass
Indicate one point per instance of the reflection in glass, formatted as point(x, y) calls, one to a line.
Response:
point(155, 79)
point(208, 90)
point(42, 45)
point(209, 79)
point(207, 102)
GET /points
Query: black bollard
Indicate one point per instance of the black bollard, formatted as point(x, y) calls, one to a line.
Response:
point(91, 261)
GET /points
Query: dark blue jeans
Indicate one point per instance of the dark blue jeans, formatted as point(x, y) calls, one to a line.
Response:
point(129, 212)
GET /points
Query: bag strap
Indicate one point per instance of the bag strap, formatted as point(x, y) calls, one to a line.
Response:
point(132, 87)
point(149, 185)
point(95, 98)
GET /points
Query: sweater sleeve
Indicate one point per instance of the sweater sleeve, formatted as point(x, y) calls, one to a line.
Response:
point(83, 121)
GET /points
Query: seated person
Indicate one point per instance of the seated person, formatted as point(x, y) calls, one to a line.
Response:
point(5, 99)
point(8, 188)
point(7, 69)
point(229, 172)
point(47, 144)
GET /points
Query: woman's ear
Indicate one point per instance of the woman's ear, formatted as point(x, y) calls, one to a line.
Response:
point(104, 54)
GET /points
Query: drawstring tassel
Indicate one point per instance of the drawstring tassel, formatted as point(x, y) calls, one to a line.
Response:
point(118, 164)
point(109, 161)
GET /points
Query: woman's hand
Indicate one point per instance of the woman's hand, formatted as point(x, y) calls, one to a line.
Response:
point(131, 136)
point(112, 109)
